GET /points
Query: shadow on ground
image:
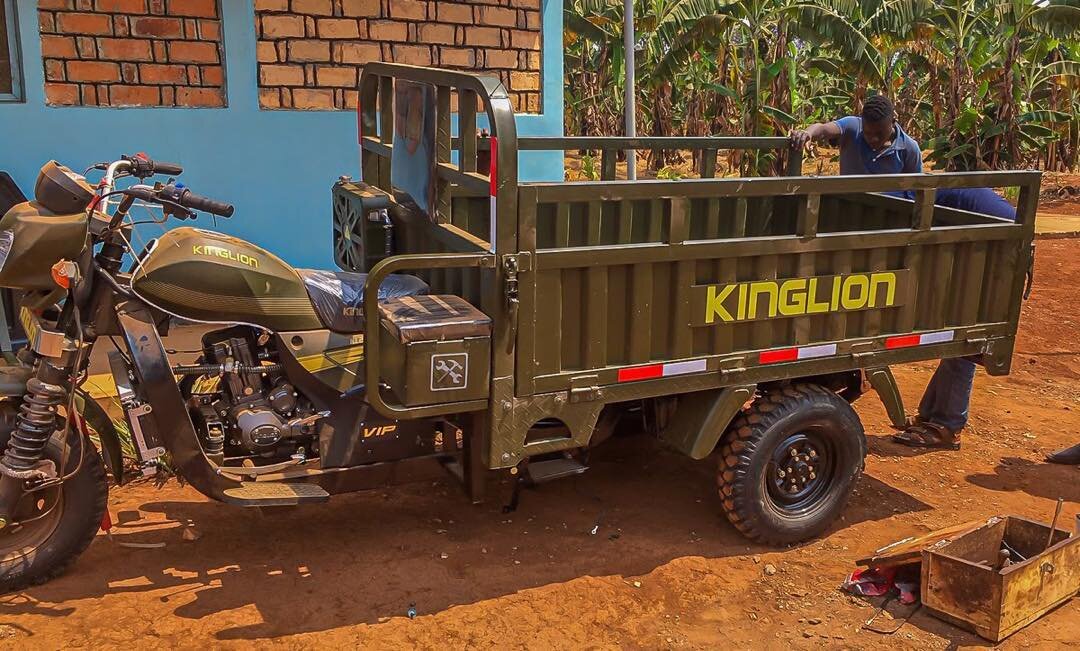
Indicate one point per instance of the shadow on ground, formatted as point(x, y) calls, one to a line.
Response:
point(368, 556)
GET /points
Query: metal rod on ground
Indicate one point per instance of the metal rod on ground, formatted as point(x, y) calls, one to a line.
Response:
point(630, 103)
point(1053, 523)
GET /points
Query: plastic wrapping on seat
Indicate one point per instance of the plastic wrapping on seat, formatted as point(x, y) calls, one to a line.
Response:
point(338, 296)
point(433, 318)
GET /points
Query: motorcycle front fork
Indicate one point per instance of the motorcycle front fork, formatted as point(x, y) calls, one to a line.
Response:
point(23, 462)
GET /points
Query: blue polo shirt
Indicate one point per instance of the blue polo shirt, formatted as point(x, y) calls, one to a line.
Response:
point(856, 156)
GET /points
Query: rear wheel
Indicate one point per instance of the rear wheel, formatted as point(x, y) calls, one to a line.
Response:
point(50, 528)
point(789, 463)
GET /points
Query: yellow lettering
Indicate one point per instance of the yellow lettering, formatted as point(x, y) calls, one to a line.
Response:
point(793, 297)
point(768, 288)
point(849, 298)
point(714, 304)
point(812, 304)
point(887, 278)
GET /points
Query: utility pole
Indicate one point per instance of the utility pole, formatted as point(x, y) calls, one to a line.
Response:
point(630, 100)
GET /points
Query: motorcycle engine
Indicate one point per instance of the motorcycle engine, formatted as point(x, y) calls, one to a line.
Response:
point(253, 410)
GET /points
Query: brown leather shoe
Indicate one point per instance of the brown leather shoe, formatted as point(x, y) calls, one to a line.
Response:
point(1067, 456)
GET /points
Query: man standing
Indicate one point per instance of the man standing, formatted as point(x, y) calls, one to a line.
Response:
point(874, 143)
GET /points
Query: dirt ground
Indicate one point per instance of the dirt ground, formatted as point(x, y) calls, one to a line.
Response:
point(663, 570)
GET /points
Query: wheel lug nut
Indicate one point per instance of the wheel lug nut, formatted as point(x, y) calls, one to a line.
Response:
point(781, 473)
point(813, 476)
point(813, 453)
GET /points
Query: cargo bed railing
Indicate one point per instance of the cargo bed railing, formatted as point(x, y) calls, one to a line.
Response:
point(640, 293)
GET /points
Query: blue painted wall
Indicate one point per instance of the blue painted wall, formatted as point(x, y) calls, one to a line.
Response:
point(275, 166)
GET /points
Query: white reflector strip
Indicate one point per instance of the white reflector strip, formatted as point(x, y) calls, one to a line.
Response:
point(682, 368)
point(936, 337)
point(491, 234)
point(809, 352)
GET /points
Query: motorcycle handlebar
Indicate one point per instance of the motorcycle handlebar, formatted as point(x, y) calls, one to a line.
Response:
point(189, 199)
point(142, 166)
point(180, 196)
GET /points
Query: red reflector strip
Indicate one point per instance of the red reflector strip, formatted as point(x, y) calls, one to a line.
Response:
point(774, 356)
point(494, 171)
point(903, 341)
point(654, 371)
point(641, 373)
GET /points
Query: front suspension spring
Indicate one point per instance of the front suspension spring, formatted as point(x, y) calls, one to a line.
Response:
point(35, 424)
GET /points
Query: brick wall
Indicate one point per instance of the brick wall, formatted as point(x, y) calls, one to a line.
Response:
point(5, 60)
point(132, 52)
point(310, 52)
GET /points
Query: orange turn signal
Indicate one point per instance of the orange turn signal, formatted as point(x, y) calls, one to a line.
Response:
point(65, 273)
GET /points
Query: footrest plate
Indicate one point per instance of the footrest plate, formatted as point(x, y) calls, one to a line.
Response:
point(271, 493)
point(551, 469)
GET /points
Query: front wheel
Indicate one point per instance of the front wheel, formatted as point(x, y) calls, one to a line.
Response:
point(788, 464)
point(50, 528)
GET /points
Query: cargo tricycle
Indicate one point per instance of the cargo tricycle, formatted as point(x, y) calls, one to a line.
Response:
point(478, 324)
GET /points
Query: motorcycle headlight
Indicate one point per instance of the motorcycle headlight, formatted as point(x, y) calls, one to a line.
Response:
point(7, 238)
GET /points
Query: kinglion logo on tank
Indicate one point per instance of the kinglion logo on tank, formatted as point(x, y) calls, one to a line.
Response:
point(226, 254)
point(768, 299)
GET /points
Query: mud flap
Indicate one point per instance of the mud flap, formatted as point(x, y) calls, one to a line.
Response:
point(884, 384)
point(701, 418)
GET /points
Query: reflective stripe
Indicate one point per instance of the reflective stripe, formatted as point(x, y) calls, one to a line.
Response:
point(774, 356)
point(641, 373)
point(810, 352)
point(903, 341)
point(654, 371)
point(681, 368)
point(906, 341)
point(936, 337)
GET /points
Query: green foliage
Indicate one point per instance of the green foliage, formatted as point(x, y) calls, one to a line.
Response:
point(980, 83)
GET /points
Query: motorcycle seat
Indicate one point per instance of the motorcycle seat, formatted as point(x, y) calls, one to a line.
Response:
point(338, 296)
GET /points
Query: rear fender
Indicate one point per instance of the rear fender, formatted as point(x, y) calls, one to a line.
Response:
point(701, 418)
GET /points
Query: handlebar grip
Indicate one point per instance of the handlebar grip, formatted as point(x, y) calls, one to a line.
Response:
point(194, 201)
point(168, 169)
point(141, 192)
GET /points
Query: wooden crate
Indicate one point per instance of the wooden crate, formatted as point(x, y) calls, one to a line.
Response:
point(961, 585)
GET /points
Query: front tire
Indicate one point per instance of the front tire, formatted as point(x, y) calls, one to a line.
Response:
point(60, 523)
point(788, 464)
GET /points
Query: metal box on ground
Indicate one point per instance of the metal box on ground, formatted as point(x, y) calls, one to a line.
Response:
point(437, 349)
point(964, 583)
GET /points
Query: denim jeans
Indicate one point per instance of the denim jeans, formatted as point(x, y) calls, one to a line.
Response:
point(948, 394)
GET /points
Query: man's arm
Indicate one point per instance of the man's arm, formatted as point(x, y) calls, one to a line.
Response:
point(818, 132)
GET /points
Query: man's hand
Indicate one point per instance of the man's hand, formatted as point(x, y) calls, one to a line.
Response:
point(799, 138)
point(820, 131)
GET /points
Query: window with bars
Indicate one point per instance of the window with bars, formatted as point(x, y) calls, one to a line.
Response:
point(9, 53)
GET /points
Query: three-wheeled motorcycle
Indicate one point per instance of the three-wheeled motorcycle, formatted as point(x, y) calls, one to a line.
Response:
point(732, 315)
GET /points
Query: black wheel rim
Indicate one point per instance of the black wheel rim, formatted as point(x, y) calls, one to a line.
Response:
point(801, 471)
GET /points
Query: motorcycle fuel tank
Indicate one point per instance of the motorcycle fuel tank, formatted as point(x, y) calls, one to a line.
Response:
point(207, 276)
